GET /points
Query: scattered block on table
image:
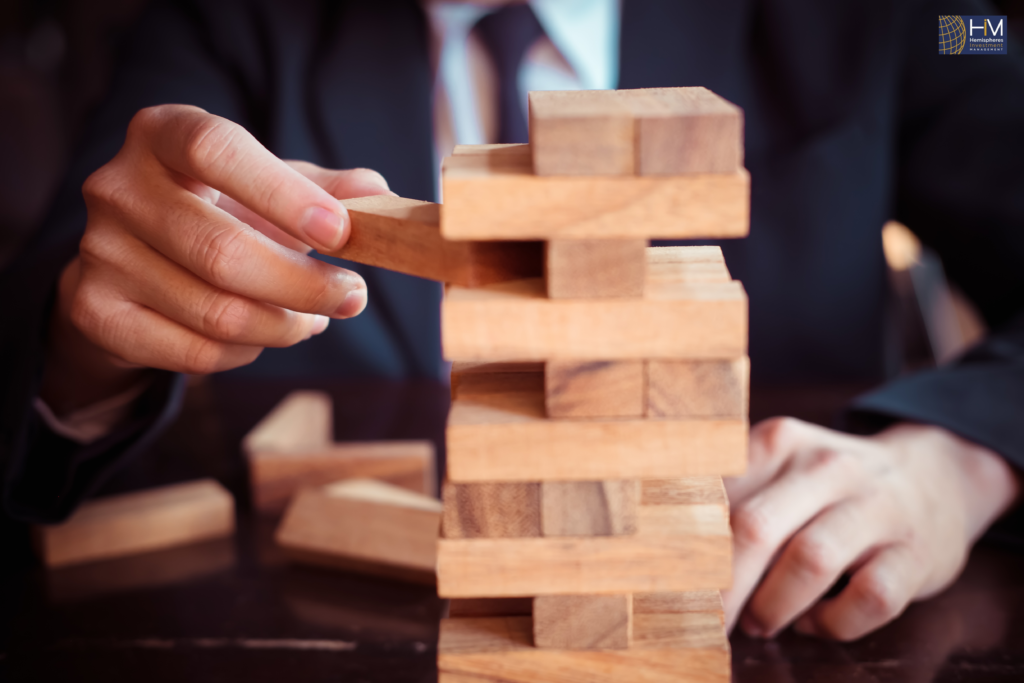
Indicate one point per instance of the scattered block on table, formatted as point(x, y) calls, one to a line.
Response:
point(693, 491)
point(595, 269)
point(498, 431)
point(698, 388)
point(583, 622)
point(589, 508)
point(581, 132)
point(365, 526)
point(594, 388)
point(490, 607)
point(491, 510)
point(684, 602)
point(138, 522)
point(302, 420)
point(405, 235)
point(675, 548)
point(667, 648)
point(494, 195)
point(277, 475)
point(687, 264)
point(686, 130)
point(675, 319)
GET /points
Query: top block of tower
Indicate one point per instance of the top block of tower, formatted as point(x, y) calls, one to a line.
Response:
point(653, 131)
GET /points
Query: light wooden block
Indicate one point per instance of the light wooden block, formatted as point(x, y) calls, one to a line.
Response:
point(594, 388)
point(589, 508)
point(498, 431)
point(138, 522)
point(686, 130)
point(581, 132)
point(405, 235)
point(686, 265)
point(491, 510)
point(365, 526)
point(667, 648)
point(688, 602)
point(675, 548)
point(494, 195)
point(583, 622)
point(676, 318)
point(302, 420)
point(595, 269)
point(276, 475)
point(698, 388)
point(708, 491)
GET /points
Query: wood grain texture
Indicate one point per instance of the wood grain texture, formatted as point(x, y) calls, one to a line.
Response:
point(698, 388)
point(708, 601)
point(687, 264)
point(595, 269)
point(686, 130)
point(498, 431)
point(581, 132)
point(366, 526)
point(594, 388)
point(496, 196)
point(685, 491)
point(676, 648)
point(138, 522)
point(583, 622)
point(491, 510)
point(675, 548)
point(589, 508)
point(275, 476)
point(302, 420)
point(404, 235)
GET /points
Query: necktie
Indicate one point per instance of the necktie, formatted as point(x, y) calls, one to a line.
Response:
point(508, 33)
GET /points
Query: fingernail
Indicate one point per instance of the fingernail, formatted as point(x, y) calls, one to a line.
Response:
point(320, 324)
point(751, 627)
point(354, 303)
point(323, 227)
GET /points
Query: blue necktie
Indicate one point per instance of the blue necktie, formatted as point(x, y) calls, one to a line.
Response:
point(508, 33)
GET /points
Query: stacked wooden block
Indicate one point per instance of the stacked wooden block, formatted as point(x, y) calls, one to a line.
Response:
point(585, 527)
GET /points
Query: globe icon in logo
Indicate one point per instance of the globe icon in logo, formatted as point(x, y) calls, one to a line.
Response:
point(952, 35)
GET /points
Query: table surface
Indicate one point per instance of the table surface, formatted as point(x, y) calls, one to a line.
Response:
point(235, 610)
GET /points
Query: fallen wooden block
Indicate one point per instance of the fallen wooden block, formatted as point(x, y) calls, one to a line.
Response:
point(595, 269)
point(666, 648)
point(698, 388)
point(491, 510)
point(583, 622)
point(498, 431)
point(589, 508)
point(138, 522)
point(675, 548)
point(302, 420)
point(364, 526)
point(675, 319)
point(405, 235)
point(581, 132)
point(494, 195)
point(594, 388)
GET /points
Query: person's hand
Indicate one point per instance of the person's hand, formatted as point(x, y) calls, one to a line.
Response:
point(897, 513)
point(194, 257)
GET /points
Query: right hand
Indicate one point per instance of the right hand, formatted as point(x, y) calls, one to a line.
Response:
point(194, 257)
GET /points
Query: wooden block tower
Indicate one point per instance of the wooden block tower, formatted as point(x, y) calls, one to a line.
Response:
point(585, 529)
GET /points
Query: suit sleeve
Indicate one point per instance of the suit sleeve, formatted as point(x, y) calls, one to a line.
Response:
point(960, 187)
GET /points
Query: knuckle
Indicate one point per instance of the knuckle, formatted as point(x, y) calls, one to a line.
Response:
point(771, 438)
point(752, 527)
point(209, 143)
point(203, 356)
point(221, 254)
point(877, 595)
point(813, 557)
point(367, 176)
point(227, 317)
point(319, 298)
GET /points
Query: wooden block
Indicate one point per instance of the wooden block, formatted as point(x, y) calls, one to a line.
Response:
point(581, 132)
point(667, 648)
point(461, 368)
point(589, 508)
point(498, 431)
point(707, 601)
point(365, 526)
point(686, 130)
point(276, 475)
point(675, 319)
point(594, 388)
point(490, 607)
point(685, 491)
point(302, 420)
point(138, 522)
point(595, 269)
point(675, 548)
point(687, 264)
point(494, 195)
point(583, 622)
point(405, 235)
point(698, 388)
point(491, 510)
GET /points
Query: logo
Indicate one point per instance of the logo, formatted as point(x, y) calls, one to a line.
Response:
point(964, 35)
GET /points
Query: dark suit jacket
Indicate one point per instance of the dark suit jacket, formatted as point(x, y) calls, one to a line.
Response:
point(852, 118)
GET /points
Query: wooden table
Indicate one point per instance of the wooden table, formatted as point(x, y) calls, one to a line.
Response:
point(234, 610)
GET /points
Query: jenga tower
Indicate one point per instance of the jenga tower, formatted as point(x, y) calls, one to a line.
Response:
point(585, 530)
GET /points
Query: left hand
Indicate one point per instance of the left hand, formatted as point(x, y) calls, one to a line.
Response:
point(897, 512)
